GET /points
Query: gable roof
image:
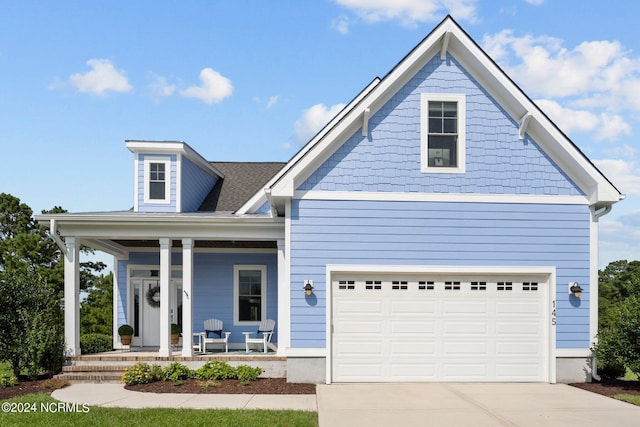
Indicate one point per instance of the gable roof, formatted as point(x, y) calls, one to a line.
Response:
point(241, 181)
point(447, 37)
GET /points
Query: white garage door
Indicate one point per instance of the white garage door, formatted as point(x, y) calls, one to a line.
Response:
point(439, 328)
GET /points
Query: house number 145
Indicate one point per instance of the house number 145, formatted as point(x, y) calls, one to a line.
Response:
point(553, 313)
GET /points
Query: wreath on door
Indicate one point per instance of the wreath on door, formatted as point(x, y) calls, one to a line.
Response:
point(153, 296)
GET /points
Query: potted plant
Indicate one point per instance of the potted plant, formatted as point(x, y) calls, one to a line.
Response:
point(175, 334)
point(125, 332)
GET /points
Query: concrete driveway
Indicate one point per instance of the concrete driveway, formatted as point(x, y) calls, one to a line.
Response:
point(457, 404)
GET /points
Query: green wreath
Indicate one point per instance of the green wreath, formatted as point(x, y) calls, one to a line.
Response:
point(151, 296)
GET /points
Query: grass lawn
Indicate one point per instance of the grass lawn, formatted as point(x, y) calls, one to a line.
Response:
point(98, 416)
point(630, 398)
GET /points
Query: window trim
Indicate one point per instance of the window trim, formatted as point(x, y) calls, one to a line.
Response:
point(236, 294)
point(147, 180)
point(460, 99)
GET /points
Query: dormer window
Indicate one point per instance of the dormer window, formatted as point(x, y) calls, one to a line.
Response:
point(443, 133)
point(157, 173)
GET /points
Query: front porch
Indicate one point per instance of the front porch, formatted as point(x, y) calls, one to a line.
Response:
point(109, 366)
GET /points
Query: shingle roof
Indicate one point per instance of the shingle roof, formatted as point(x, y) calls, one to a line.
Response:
point(241, 181)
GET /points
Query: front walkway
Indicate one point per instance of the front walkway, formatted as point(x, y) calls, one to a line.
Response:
point(115, 395)
point(478, 405)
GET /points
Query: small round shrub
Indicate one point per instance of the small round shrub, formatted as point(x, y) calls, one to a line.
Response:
point(215, 370)
point(125, 330)
point(176, 372)
point(175, 329)
point(95, 343)
point(610, 369)
point(7, 379)
point(140, 373)
point(247, 373)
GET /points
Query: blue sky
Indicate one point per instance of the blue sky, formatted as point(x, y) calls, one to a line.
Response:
point(253, 80)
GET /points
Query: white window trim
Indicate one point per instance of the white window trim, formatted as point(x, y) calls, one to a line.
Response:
point(424, 131)
point(236, 293)
point(167, 179)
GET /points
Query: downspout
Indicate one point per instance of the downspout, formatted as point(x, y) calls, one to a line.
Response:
point(56, 238)
point(594, 360)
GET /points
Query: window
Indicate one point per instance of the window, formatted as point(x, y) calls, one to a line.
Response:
point(443, 133)
point(157, 174)
point(250, 299)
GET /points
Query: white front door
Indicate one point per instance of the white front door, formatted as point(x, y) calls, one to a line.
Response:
point(146, 310)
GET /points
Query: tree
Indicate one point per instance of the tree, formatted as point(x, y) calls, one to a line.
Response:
point(617, 282)
point(96, 312)
point(32, 327)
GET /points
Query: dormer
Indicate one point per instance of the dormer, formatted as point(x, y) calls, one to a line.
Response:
point(169, 176)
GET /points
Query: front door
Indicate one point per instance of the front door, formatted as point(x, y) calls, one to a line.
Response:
point(146, 310)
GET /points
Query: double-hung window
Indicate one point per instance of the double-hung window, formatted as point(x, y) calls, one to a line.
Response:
point(250, 293)
point(157, 184)
point(443, 133)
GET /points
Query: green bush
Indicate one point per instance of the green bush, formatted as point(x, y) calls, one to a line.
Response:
point(175, 329)
point(95, 343)
point(609, 369)
point(246, 373)
point(176, 372)
point(7, 379)
point(141, 373)
point(216, 370)
point(125, 330)
point(619, 344)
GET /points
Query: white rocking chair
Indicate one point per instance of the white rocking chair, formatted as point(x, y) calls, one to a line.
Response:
point(266, 329)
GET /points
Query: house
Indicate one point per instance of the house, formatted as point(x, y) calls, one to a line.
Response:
point(446, 229)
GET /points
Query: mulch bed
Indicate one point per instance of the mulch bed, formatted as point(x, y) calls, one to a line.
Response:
point(25, 387)
point(610, 387)
point(260, 386)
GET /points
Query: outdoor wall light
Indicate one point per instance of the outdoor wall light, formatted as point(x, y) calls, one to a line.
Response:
point(308, 287)
point(575, 289)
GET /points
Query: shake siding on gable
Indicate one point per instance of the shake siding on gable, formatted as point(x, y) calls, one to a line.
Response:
point(439, 233)
point(197, 182)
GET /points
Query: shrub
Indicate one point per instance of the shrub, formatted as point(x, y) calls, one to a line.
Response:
point(216, 370)
point(176, 372)
point(7, 379)
point(175, 329)
point(95, 343)
point(609, 369)
point(247, 373)
point(140, 373)
point(125, 330)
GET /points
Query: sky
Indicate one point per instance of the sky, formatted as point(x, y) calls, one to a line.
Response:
point(254, 80)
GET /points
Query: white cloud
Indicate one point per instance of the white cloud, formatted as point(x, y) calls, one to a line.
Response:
point(341, 24)
point(624, 174)
point(534, 2)
point(619, 239)
point(161, 87)
point(410, 12)
point(313, 120)
point(273, 100)
point(605, 126)
point(214, 87)
point(102, 77)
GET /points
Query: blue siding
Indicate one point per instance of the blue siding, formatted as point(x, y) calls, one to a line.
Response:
point(420, 233)
point(156, 207)
point(497, 161)
point(212, 287)
point(196, 184)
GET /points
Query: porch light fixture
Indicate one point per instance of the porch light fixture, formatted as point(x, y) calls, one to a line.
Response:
point(308, 287)
point(575, 289)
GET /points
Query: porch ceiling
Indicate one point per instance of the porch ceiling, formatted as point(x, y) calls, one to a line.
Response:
point(235, 244)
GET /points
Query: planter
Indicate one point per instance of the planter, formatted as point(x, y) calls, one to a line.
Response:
point(125, 339)
point(175, 338)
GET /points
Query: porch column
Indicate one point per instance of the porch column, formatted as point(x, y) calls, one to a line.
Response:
point(72, 296)
point(165, 294)
point(187, 299)
point(284, 300)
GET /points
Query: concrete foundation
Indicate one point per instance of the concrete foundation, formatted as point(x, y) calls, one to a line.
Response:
point(573, 370)
point(306, 370)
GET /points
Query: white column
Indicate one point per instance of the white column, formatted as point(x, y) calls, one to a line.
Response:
point(72, 296)
point(165, 295)
point(187, 297)
point(284, 301)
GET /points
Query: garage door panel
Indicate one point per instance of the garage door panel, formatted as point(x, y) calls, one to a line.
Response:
point(464, 307)
point(479, 327)
point(412, 308)
point(413, 327)
point(421, 331)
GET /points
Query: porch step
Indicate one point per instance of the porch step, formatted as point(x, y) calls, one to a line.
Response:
point(92, 373)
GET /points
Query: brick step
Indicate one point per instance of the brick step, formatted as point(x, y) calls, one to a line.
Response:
point(94, 368)
point(91, 377)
